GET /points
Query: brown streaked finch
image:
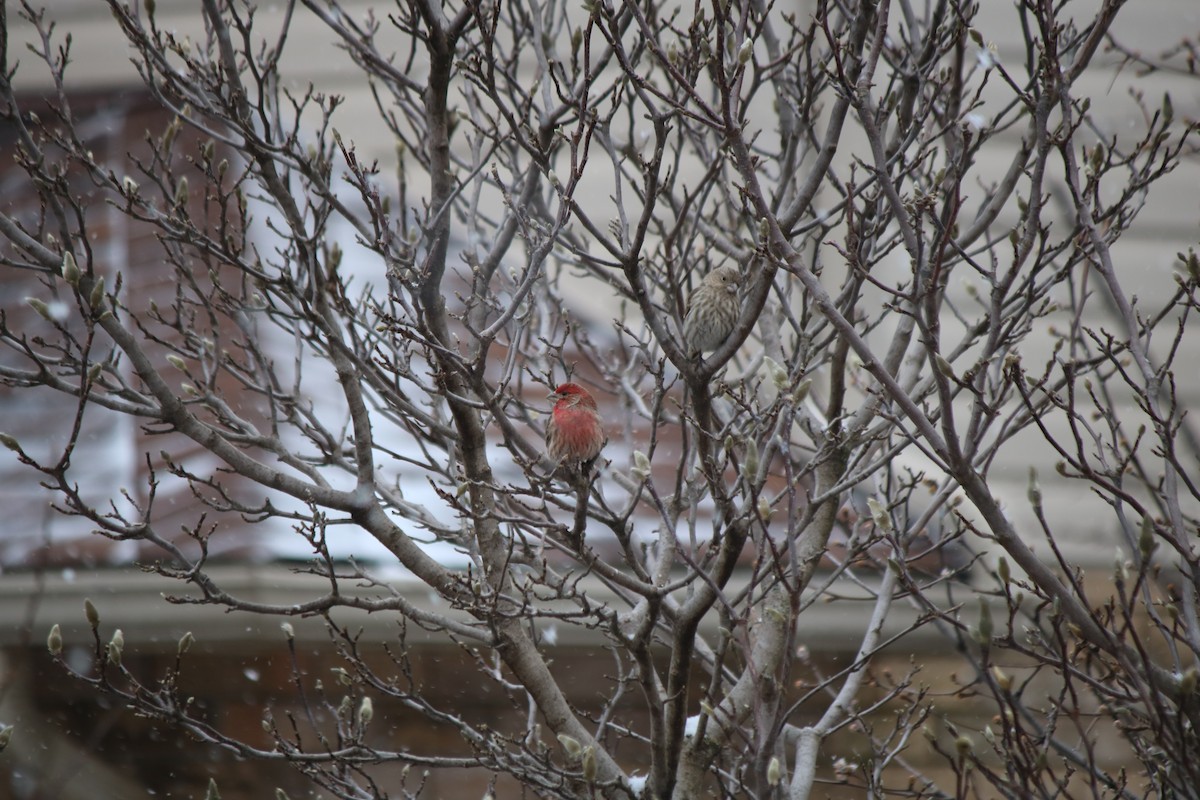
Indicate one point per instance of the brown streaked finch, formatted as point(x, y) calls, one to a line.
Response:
point(575, 433)
point(712, 310)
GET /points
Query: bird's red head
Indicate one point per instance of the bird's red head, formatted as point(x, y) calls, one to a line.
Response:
point(572, 394)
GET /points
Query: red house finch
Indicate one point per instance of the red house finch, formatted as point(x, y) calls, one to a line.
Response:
point(712, 310)
point(574, 434)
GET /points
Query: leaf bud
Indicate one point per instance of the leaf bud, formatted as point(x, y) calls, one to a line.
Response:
point(802, 390)
point(70, 270)
point(641, 466)
point(778, 374)
point(40, 307)
point(54, 642)
point(1192, 262)
point(181, 192)
point(764, 508)
point(6, 736)
point(570, 744)
point(185, 643)
point(116, 648)
point(774, 771)
point(1034, 491)
point(366, 710)
point(943, 366)
point(985, 621)
point(745, 51)
point(589, 764)
point(751, 467)
point(172, 130)
point(90, 612)
point(880, 515)
point(1146, 543)
point(96, 298)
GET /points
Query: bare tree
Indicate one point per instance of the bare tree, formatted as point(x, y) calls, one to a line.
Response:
point(926, 235)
